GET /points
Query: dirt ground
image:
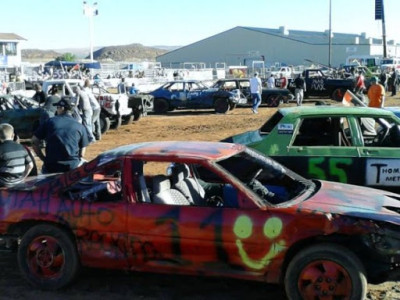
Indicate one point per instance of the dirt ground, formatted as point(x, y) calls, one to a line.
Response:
point(100, 284)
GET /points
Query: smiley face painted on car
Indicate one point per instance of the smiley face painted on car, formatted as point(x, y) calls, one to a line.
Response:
point(272, 229)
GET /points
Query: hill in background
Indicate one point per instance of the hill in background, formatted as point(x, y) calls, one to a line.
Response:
point(132, 52)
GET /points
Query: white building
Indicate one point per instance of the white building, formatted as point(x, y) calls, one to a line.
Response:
point(243, 45)
point(10, 52)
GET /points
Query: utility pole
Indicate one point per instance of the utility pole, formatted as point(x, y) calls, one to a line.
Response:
point(90, 11)
point(380, 15)
point(330, 33)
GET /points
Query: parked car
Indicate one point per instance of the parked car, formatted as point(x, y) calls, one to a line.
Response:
point(269, 97)
point(22, 113)
point(224, 210)
point(356, 145)
point(193, 94)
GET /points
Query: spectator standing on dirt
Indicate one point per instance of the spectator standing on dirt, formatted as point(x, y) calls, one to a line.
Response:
point(39, 96)
point(133, 90)
point(255, 90)
point(83, 103)
point(376, 94)
point(15, 161)
point(121, 86)
point(300, 88)
point(96, 127)
point(383, 80)
point(394, 78)
point(360, 83)
point(271, 82)
point(66, 140)
point(284, 81)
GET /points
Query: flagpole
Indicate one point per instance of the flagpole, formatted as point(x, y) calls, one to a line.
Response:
point(384, 31)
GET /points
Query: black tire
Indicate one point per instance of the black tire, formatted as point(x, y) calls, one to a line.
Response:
point(47, 257)
point(105, 123)
point(221, 105)
point(116, 123)
point(160, 106)
point(274, 100)
point(126, 120)
point(338, 94)
point(325, 268)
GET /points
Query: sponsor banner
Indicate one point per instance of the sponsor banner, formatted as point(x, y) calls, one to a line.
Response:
point(383, 172)
point(285, 128)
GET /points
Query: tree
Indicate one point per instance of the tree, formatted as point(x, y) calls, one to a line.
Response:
point(66, 57)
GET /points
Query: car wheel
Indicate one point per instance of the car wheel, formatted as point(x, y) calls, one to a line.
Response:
point(221, 106)
point(126, 120)
point(326, 271)
point(338, 94)
point(117, 122)
point(274, 100)
point(105, 123)
point(160, 106)
point(47, 257)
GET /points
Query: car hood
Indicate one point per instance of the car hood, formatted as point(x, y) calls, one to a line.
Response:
point(355, 201)
point(245, 138)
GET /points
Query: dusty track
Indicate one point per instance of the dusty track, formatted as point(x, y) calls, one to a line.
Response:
point(101, 284)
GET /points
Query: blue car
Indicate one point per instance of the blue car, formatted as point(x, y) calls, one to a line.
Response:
point(193, 94)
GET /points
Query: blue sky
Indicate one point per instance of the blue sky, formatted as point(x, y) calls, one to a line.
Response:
point(58, 24)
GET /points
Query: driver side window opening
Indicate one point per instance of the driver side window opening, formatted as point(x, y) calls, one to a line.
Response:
point(379, 132)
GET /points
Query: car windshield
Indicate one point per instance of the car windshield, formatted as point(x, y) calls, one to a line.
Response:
point(273, 183)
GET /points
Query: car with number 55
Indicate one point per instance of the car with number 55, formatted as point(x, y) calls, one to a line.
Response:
point(356, 145)
point(202, 208)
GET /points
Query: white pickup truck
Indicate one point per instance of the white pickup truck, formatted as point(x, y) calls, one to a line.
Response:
point(114, 107)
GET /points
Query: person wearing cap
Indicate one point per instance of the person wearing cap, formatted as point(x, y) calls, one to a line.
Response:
point(66, 140)
point(376, 94)
point(255, 90)
point(15, 161)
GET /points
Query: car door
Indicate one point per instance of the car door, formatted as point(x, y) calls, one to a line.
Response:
point(380, 153)
point(319, 149)
point(197, 96)
point(190, 238)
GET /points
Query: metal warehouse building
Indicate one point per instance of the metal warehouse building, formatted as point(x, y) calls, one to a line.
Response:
point(244, 45)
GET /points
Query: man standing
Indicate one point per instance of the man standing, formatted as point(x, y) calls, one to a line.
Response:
point(271, 82)
point(15, 161)
point(66, 140)
point(376, 94)
point(39, 96)
point(300, 88)
point(393, 78)
point(83, 103)
point(96, 127)
point(255, 90)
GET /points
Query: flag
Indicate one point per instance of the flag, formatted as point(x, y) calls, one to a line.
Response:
point(349, 99)
point(379, 14)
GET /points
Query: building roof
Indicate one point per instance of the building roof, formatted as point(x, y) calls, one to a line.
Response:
point(10, 36)
point(317, 37)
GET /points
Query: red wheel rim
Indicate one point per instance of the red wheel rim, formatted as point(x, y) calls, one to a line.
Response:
point(324, 279)
point(45, 257)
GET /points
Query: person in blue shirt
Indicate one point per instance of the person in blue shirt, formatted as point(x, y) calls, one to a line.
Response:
point(133, 90)
point(66, 140)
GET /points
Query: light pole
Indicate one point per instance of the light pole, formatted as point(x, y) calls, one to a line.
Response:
point(90, 11)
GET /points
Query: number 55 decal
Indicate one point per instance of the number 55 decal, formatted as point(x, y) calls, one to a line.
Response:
point(324, 168)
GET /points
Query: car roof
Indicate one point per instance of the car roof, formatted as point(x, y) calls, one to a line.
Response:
point(333, 110)
point(210, 151)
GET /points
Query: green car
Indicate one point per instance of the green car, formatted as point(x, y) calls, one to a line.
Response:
point(353, 145)
point(22, 113)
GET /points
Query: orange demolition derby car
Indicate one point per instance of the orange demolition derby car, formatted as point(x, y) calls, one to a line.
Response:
point(216, 209)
